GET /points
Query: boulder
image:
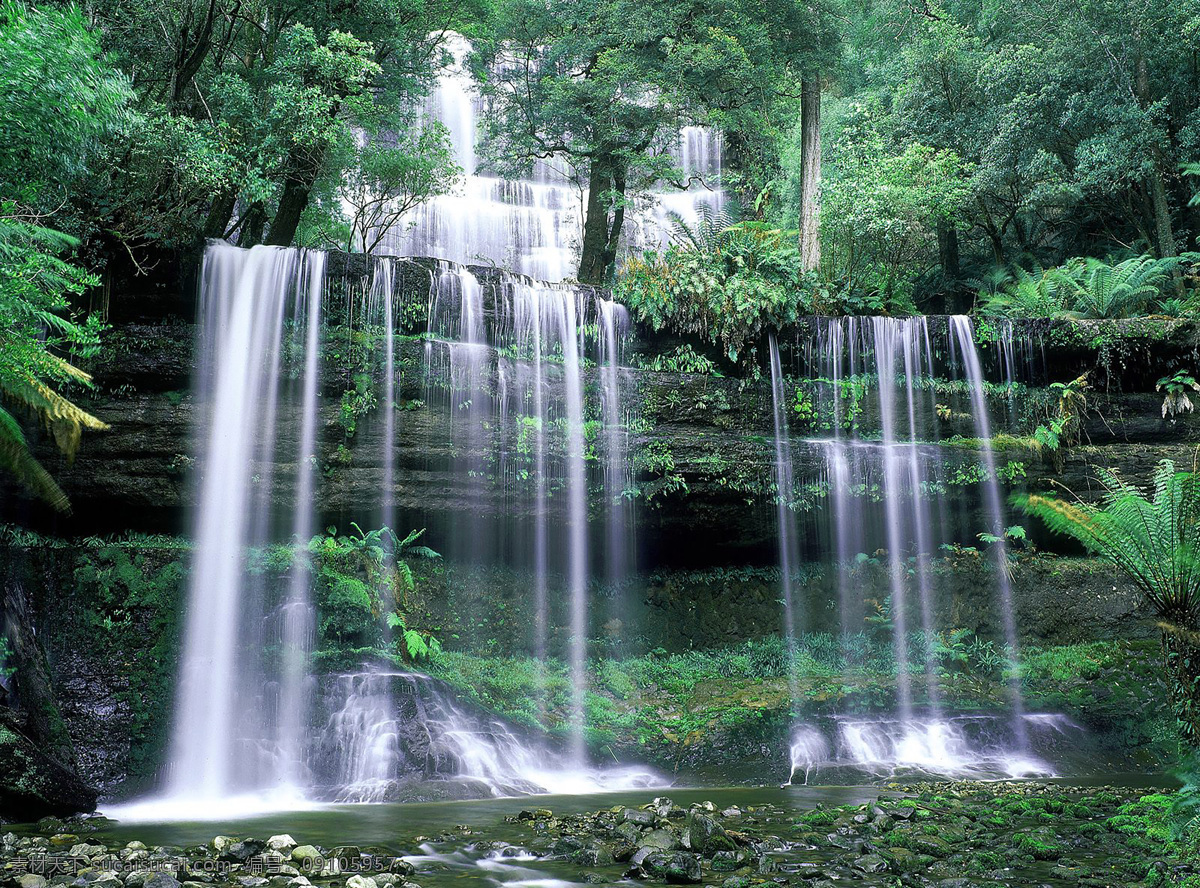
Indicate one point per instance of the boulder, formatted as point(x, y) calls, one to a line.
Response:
point(638, 817)
point(705, 836)
point(678, 868)
point(283, 844)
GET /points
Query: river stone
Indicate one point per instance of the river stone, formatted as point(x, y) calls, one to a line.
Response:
point(240, 852)
point(283, 843)
point(306, 853)
point(931, 845)
point(628, 832)
point(221, 844)
point(662, 806)
point(82, 849)
point(736, 882)
point(660, 840)
point(161, 879)
point(638, 816)
point(31, 880)
point(705, 836)
point(727, 861)
point(597, 855)
point(360, 882)
point(401, 867)
point(675, 869)
point(904, 861)
point(63, 840)
point(871, 863)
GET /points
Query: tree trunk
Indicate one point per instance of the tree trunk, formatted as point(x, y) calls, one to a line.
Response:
point(1183, 673)
point(252, 225)
point(594, 261)
point(810, 173)
point(1164, 232)
point(296, 191)
point(219, 214)
point(947, 236)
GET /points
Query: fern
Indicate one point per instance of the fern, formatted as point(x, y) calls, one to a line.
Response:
point(1154, 537)
point(1099, 290)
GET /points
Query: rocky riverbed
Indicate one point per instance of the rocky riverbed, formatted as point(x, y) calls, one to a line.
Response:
point(938, 834)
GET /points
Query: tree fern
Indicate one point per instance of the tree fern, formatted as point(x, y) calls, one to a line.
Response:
point(1154, 537)
point(1096, 289)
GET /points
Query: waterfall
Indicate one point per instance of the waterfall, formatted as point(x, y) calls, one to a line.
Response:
point(784, 490)
point(218, 744)
point(964, 336)
point(534, 225)
point(298, 633)
point(875, 379)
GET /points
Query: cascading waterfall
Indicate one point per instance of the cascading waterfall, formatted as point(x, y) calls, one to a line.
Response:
point(897, 357)
point(298, 632)
point(217, 747)
point(512, 362)
point(964, 336)
point(783, 509)
point(533, 225)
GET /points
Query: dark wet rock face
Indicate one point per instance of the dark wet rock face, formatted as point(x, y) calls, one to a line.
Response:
point(32, 783)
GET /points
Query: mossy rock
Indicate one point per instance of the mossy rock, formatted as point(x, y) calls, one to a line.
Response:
point(34, 785)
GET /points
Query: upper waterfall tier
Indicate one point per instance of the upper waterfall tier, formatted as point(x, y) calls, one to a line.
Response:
point(534, 225)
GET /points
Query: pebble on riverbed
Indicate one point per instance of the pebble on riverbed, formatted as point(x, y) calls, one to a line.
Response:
point(949, 835)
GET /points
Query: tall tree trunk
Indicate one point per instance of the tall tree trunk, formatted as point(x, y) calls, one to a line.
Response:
point(252, 225)
point(1164, 232)
point(594, 261)
point(810, 173)
point(947, 236)
point(296, 191)
point(219, 214)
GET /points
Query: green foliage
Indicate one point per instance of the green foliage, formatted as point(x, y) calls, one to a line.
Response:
point(6, 671)
point(35, 284)
point(730, 286)
point(601, 87)
point(1175, 392)
point(62, 102)
point(386, 180)
point(356, 403)
point(1155, 539)
point(881, 210)
point(682, 359)
point(1084, 287)
point(362, 584)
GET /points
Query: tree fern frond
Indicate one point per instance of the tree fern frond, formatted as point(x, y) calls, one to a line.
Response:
point(16, 459)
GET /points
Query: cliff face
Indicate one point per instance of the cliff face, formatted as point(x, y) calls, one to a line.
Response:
point(700, 446)
point(702, 497)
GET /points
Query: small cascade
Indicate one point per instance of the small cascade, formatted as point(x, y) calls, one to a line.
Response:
point(966, 746)
point(809, 749)
point(534, 225)
point(394, 736)
point(874, 383)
